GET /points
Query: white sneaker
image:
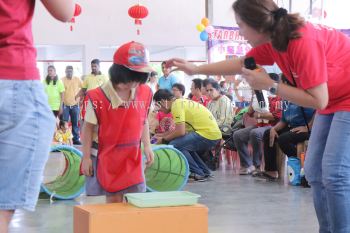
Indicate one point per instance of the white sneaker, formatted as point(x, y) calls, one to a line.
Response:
point(246, 170)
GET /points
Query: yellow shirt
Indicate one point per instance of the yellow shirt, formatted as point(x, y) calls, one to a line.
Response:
point(196, 117)
point(72, 87)
point(63, 137)
point(113, 96)
point(92, 81)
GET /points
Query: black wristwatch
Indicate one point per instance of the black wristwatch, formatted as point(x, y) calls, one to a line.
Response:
point(273, 89)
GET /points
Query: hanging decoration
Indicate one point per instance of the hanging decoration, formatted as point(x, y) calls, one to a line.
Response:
point(205, 29)
point(77, 12)
point(138, 12)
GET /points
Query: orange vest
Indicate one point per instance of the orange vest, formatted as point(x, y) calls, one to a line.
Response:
point(119, 164)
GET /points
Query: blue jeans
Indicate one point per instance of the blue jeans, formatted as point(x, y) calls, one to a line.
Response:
point(254, 136)
point(26, 131)
point(72, 112)
point(189, 145)
point(327, 168)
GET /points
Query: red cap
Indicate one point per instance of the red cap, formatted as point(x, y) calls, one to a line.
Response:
point(134, 56)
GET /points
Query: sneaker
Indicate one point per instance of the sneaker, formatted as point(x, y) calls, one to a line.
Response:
point(256, 173)
point(209, 175)
point(191, 176)
point(246, 170)
point(200, 178)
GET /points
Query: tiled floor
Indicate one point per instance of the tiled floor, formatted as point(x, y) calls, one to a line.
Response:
point(236, 204)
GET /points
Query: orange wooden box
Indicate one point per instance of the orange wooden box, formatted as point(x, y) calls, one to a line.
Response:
point(125, 218)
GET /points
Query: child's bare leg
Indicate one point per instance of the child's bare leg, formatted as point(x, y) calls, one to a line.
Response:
point(5, 218)
point(116, 198)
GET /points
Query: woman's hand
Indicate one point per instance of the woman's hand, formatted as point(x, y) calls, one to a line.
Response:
point(149, 155)
point(300, 129)
point(86, 166)
point(182, 65)
point(258, 79)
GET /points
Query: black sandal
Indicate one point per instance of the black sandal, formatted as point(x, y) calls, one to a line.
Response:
point(256, 173)
point(265, 176)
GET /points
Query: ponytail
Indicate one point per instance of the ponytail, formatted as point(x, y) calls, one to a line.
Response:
point(265, 17)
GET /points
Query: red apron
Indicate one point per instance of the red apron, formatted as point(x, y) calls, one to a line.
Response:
point(119, 138)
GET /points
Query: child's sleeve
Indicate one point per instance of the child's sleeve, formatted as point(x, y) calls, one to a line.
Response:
point(58, 137)
point(90, 115)
point(70, 135)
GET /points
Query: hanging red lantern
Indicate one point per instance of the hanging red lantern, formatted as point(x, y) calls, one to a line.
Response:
point(72, 21)
point(138, 12)
point(77, 12)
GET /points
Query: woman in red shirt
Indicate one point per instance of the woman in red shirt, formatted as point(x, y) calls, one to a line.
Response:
point(26, 121)
point(317, 60)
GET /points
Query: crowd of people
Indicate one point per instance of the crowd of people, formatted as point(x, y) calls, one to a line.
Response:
point(313, 59)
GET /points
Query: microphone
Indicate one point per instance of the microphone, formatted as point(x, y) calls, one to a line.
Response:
point(249, 63)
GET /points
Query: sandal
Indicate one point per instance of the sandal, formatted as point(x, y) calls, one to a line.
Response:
point(265, 176)
point(256, 173)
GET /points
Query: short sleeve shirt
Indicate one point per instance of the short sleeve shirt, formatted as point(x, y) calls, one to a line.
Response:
point(321, 55)
point(54, 93)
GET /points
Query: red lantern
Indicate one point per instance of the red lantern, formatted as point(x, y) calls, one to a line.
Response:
point(77, 12)
point(72, 21)
point(138, 12)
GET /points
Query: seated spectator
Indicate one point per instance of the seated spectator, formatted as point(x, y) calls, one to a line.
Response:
point(178, 90)
point(288, 132)
point(152, 81)
point(240, 91)
point(196, 91)
point(204, 89)
point(63, 134)
point(165, 122)
point(195, 130)
point(265, 119)
point(223, 86)
point(220, 105)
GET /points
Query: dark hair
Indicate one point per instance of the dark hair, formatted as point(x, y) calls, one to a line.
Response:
point(95, 61)
point(180, 87)
point(62, 123)
point(163, 63)
point(266, 17)
point(205, 81)
point(121, 74)
point(222, 83)
point(163, 94)
point(214, 84)
point(69, 67)
point(153, 73)
point(48, 78)
point(198, 83)
point(190, 95)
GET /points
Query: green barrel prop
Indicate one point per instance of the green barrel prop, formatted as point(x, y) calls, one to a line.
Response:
point(69, 184)
point(169, 171)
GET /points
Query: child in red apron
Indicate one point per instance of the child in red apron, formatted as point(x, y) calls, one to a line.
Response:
point(116, 124)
